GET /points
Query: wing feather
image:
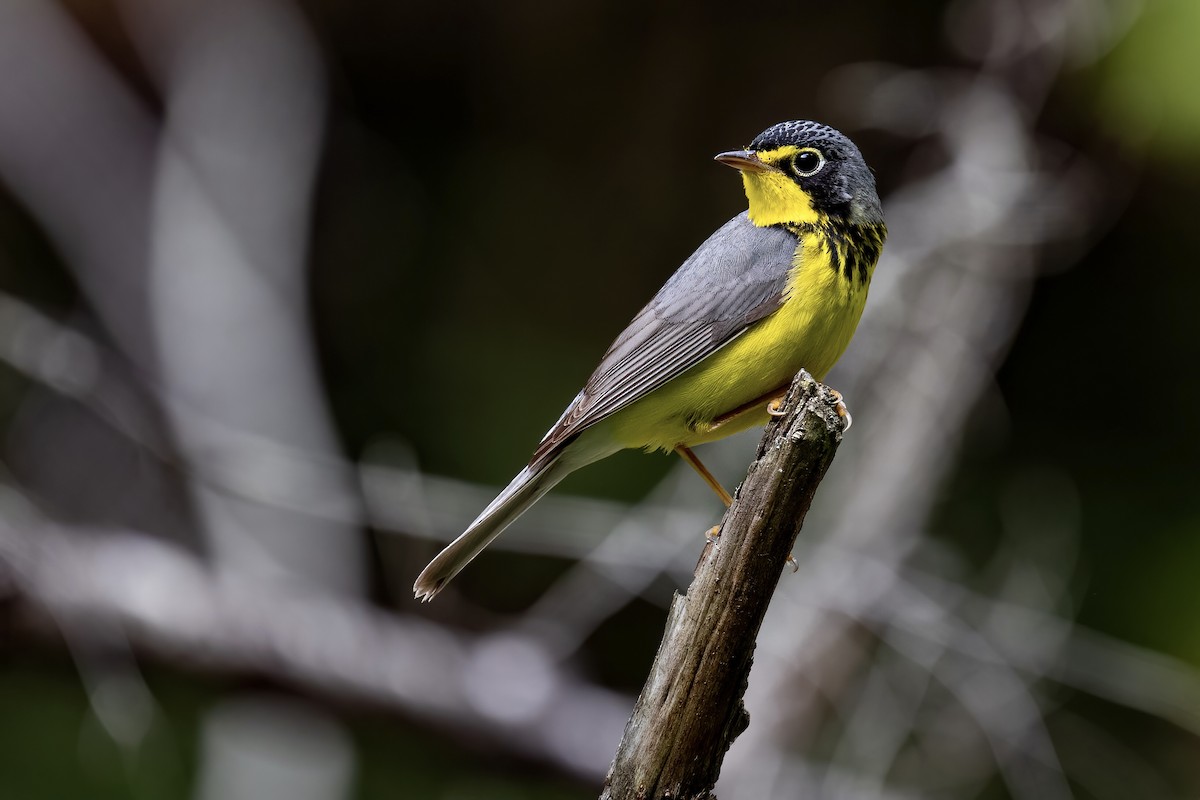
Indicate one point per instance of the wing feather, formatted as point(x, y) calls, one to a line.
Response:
point(737, 277)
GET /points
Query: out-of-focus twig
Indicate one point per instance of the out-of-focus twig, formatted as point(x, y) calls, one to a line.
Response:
point(228, 235)
point(881, 650)
point(168, 604)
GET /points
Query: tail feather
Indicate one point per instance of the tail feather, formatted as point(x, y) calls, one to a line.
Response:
point(524, 490)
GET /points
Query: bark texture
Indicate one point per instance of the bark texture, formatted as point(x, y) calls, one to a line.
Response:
point(690, 709)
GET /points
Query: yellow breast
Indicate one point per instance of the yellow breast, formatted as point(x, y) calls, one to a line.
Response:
point(810, 330)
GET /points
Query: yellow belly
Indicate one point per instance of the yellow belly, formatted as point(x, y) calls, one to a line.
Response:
point(810, 330)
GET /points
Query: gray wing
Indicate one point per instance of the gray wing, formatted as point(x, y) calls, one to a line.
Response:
point(735, 278)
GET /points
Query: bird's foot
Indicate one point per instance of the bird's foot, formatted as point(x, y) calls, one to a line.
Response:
point(711, 537)
point(842, 411)
point(775, 406)
point(791, 562)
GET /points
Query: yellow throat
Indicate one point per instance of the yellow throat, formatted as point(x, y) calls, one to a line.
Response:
point(774, 197)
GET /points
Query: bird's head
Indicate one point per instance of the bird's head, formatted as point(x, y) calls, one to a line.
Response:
point(800, 171)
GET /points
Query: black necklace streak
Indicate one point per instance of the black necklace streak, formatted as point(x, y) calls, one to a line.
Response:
point(853, 249)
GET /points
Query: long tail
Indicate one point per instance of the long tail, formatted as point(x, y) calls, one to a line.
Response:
point(524, 490)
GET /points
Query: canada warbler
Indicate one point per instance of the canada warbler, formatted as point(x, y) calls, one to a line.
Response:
point(778, 288)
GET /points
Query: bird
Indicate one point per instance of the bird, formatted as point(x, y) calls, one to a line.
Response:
point(778, 288)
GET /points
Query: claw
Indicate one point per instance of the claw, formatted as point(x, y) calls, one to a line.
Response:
point(792, 563)
point(773, 399)
point(711, 537)
point(842, 411)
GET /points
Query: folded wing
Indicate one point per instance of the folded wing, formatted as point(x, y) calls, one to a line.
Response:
point(737, 277)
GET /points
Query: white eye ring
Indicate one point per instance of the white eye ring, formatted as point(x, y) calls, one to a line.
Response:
point(803, 173)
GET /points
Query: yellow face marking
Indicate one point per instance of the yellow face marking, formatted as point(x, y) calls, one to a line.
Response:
point(775, 197)
point(779, 153)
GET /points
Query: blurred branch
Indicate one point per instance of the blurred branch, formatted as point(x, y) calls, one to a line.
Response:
point(691, 710)
point(185, 220)
point(240, 140)
point(188, 236)
point(75, 147)
point(168, 604)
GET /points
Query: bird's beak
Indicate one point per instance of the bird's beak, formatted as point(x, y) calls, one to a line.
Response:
point(745, 160)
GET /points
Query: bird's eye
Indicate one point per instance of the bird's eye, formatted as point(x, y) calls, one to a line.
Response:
point(808, 162)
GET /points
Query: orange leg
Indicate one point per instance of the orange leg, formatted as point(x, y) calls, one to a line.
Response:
point(772, 399)
point(774, 403)
point(714, 533)
point(687, 455)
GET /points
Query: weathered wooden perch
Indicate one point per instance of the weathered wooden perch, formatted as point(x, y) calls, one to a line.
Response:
point(690, 709)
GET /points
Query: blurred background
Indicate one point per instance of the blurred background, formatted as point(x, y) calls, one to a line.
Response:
point(288, 290)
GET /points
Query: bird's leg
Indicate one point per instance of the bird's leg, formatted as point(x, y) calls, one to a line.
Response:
point(687, 455)
point(772, 399)
point(712, 534)
point(774, 403)
point(775, 409)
